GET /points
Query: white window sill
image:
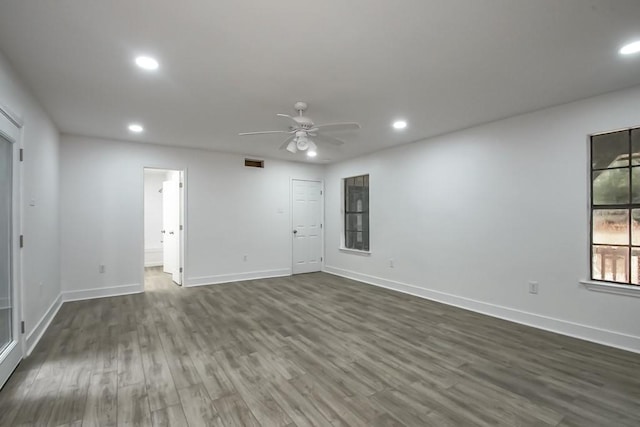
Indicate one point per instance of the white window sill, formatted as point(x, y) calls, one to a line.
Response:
point(611, 288)
point(355, 251)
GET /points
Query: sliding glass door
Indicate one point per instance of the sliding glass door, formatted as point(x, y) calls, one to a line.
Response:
point(10, 344)
point(6, 312)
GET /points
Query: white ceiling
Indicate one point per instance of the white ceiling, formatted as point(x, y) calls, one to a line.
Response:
point(229, 66)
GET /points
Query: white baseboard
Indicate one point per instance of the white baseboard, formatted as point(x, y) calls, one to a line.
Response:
point(38, 331)
point(153, 264)
point(563, 327)
point(235, 277)
point(113, 291)
point(153, 257)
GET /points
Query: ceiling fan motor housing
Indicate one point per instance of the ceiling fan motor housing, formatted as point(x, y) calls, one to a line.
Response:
point(300, 106)
point(304, 122)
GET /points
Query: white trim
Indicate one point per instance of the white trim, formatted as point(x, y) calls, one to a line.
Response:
point(112, 291)
point(354, 251)
point(236, 277)
point(11, 116)
point(183, 172)
point(11, 356)
point(611, 288)
point(33, 337)
point(342, 247)
point(11, 130)
point(322, 222)
point(563, 327)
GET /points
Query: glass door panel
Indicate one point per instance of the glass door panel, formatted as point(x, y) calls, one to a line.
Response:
point(6, 313)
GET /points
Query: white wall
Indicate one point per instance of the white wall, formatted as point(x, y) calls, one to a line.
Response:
point(40, 257)
point(153, 180)
point(470, 217)
point(232, 211)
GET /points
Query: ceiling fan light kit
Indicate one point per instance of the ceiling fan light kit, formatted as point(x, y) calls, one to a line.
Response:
point(302, 129)
point(292, 147)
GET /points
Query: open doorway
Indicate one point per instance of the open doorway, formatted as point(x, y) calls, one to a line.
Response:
point(163, 228)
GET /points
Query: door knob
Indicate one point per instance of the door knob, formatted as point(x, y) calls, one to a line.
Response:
point(295, 231)
point(163, 231)
point(171, 232)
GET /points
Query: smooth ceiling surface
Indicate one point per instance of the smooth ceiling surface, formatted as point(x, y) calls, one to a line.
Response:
point(230, 66)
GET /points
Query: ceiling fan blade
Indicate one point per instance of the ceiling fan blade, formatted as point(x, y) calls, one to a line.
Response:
point(286, 142)
point(337, 126)
point(329, 139)
point(290, 118)
point(263, 132)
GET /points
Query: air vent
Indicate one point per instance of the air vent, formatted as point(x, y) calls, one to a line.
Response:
point(251, 163)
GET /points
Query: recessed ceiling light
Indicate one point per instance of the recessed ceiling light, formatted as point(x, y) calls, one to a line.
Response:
point(630, 48)
point(147, 63)
point(311, 153)
point(135, 128)
point(399, 124)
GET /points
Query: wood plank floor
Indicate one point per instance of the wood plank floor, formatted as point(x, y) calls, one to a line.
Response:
point(309, 350)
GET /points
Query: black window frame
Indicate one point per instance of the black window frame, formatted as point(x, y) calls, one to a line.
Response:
point(349, 186)
point(629, 206)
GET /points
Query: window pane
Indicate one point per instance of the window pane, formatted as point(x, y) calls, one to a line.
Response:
point(354, 222)
point(353, 198)
point(611, 187)
point(350, 239)
point(635, 227)
point(358, 240)
point(357, 199)
point(635, 266)
point(611, 226)
point(610, 150)
point(356, 207)
point(635, 185)
point(610, 263)
point(635, 147)
point(365, 199)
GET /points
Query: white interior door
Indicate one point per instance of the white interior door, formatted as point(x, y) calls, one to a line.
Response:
point(10, 346)
point(171, 228)
point(307, 226)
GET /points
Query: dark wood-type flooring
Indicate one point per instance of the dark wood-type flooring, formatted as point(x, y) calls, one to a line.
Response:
point(308, 350)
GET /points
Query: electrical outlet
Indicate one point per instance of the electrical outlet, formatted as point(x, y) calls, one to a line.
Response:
point(101, 269)
point(533, 287)
point(245, 258)
point(392, 263)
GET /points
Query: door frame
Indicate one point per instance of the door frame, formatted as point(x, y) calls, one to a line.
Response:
point(322, 218)
point(182, 239)
point(11, 129)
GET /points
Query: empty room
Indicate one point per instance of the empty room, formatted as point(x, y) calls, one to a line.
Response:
point(336, 213)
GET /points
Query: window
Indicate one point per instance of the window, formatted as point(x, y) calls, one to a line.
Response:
point(615, 207)
point(356, 212)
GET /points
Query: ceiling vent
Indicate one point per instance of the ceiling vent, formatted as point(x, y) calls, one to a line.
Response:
point(251, 163)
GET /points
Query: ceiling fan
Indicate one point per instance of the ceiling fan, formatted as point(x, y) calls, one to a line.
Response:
point(302, 129)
